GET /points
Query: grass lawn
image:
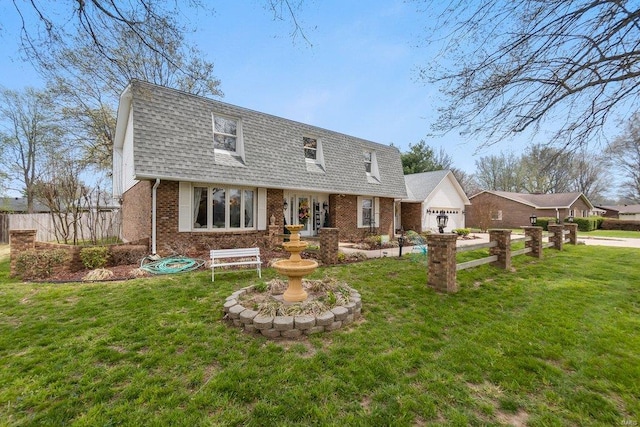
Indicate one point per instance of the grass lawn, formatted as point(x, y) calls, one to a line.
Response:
point(555, 342)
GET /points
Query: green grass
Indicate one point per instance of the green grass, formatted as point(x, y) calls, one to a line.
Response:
point(554, 342)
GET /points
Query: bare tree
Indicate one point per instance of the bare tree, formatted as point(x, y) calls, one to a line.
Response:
point(548, 170)
point(625, 155)
point(29, 137)
point(499, 173)
point(89, 53)
point(510, 67)
point(590, 175)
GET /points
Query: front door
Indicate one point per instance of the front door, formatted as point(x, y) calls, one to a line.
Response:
point(304, 215)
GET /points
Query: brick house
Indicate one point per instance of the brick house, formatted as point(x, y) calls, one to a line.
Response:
point(200, 173)
point(502, 209)
point(626, 212)
point(428, 193)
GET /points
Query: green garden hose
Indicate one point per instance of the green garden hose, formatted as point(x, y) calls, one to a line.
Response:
point(171, 265)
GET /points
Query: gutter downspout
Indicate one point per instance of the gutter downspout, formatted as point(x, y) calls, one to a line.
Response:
point(153, 216)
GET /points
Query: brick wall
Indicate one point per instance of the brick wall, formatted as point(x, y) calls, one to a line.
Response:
point(411, 216)
point(20, 241)
point(343, 215)
point(136, 212)
point(169, 240)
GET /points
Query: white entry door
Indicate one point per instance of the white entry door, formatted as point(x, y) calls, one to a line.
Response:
point(304, 214)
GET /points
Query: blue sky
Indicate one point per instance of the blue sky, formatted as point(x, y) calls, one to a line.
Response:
point(359, 77)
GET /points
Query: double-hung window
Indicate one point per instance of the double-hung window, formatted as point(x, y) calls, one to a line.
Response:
point(310, 148)
point(368, 212)
point(223, 208)
point(226, 134)
point(371, 166)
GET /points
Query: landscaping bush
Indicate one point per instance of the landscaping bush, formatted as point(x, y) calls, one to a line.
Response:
point(128, 254)
point(544, 222)
point(94, 256)
point(586, 224)
point(620, 224)
point(35, 264)
point(462, 231)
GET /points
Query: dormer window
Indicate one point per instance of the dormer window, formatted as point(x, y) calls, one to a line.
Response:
point(313, 154)
point(371, 167)
point(310, 148)
point(367, 161)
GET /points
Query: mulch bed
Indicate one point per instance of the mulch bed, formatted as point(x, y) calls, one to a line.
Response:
point(126, 272)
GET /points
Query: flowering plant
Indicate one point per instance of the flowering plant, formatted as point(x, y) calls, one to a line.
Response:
point(303, 212)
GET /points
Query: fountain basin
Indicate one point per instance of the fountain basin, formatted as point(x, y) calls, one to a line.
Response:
point(295, 268)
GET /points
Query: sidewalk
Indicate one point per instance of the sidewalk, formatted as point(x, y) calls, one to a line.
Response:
point(484, 237)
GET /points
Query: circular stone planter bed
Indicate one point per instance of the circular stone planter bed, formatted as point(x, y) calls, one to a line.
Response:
point(293, 326)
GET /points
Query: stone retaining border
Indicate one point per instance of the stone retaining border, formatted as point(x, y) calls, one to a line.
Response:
point(291, 326)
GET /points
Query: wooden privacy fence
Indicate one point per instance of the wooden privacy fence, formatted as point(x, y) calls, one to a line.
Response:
point(442, 251)
point(103, 224)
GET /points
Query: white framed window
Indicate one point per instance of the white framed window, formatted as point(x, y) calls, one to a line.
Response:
point(313, 155)
point(368, 212)
point(310, 148)
point(371, 166)
point(223, 208)
point(496, 215)
point(227, 134)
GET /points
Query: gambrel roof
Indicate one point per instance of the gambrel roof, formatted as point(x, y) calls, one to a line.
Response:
point(173, 140)
point(541, 201)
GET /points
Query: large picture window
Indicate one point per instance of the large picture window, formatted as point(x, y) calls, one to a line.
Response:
point(223, 208)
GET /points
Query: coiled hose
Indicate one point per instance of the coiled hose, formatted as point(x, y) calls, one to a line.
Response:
point(171, 265)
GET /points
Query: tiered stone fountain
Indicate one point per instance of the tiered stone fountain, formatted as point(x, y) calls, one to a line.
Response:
point(295, 268)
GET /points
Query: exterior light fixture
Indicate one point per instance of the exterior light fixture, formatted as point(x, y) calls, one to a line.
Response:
point(442, 221)
point(325, 206)
point(285, 205)
point(570, 218)
point(533, 219)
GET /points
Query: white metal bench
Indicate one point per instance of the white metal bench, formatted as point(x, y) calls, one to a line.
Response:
point(224, 258)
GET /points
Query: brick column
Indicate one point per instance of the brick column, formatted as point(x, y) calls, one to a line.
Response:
point(536, 240)
point(573, 232)
point(503, 249)
point(558, 237)
point(20, 241)
point(328, 245)
point(441, 257)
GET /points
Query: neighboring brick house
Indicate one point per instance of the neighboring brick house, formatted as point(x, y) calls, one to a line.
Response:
point(626, 212)
point(196, 172)
point(428, 193)
point(502, 209)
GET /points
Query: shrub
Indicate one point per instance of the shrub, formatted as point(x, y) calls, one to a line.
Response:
point(127, 254)
point(462, 231)
point(34, 264)
point(544, 222)
point(94, 257)
point(586, 224)
point(620, 224)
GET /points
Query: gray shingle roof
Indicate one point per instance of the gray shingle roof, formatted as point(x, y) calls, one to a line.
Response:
point(542, 201)
point(173, 139)
point(19, 205)
point(623, 209)
point(420, 185)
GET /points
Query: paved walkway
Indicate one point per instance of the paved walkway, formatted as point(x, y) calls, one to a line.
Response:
point(484, 237)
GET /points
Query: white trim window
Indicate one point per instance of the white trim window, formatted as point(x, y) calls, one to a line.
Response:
point(371, 166)
point(227, 134)
point(310, 148)
point(223, 208)
point(368, 212)
point(496, 215)
point(313, 153)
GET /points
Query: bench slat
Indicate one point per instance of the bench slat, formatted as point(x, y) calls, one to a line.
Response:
point(217, 254)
